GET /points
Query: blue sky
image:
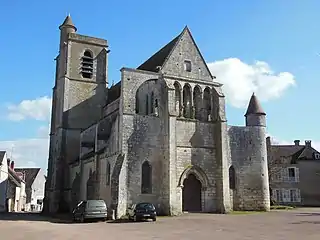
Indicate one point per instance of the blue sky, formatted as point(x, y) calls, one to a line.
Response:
point(270, 47)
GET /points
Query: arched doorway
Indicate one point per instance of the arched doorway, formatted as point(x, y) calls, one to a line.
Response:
point(191, 194)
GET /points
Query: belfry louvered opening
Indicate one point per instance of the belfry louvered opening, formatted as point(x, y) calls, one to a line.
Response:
point(87, 65)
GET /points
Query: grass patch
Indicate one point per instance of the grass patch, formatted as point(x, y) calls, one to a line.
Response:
point(281, 207)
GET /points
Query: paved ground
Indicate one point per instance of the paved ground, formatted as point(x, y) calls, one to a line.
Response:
point(294, 224)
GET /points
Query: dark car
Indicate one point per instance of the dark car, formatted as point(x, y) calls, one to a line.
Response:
point(90, 209)
point(142, 211)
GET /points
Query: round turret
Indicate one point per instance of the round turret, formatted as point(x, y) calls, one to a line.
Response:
point(65, 28)
point(255, 116)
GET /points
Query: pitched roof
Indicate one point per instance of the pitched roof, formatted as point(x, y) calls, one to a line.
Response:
point(114, 92)
point(159, 58)
point(296, 152)
point(30, 175)
point(254, 106)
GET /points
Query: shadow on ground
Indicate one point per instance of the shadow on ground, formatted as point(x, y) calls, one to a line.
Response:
point(34, 217)
point(307, 222)
point(119, 221)
point(309, 214)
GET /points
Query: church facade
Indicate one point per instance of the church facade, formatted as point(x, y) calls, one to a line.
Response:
point(159, 135)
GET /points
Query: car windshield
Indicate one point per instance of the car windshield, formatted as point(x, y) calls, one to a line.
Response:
point(147, 206)
point(96, 204)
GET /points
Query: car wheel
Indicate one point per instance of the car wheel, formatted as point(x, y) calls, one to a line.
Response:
point(154, 219)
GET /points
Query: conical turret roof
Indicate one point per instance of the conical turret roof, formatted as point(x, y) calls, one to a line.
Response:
point(254, 106)
point(68, 23)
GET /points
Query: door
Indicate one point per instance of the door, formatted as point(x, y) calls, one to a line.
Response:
point(191, 194)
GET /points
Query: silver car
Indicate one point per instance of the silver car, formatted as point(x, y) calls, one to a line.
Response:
point(90, 209)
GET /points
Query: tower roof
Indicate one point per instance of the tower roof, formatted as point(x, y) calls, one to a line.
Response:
point(68, 23)
point(254, 106)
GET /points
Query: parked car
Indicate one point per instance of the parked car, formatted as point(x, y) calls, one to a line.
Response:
point(142, 211)
point(90, 209)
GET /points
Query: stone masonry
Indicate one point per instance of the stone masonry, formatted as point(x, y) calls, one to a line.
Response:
point(159, 135)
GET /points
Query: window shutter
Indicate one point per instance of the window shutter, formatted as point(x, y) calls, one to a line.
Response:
point(286, 195)
point(298, 195)
point(274, 195)
point(297, 174)
point(284, 175)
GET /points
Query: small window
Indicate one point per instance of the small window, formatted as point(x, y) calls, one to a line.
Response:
point(108, 174)
point(147, 104)
point(232, 178)
point(152, 102)
point(146, 178)
point(87, 65)
point(187, 65)
point(292, 172)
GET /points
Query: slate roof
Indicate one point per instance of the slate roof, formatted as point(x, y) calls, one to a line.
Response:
point(296, 152)
point(254, 106)
point(114, 92)
point(30, 175)
point(159, 57)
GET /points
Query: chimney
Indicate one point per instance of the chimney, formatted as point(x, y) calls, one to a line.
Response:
point(12, 165)
point(308, 143)
point(296, 142)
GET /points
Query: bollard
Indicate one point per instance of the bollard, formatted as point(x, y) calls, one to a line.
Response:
point(113, 214)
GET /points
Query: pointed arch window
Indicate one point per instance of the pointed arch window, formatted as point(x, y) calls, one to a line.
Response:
point(146, 178)
point(137, 102)
point(207, 103)
point(197, 102)
point(177, 95)
point(108, 173)
point(152, 102)
point(87, 65)
point(187, 101)
point(147, 104)
point(232, 178)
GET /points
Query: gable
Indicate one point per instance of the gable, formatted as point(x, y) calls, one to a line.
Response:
point(185, 49)
point(309, 154)
point(30, 175)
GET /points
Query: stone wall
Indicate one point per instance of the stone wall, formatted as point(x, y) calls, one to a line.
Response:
point(196, 148)
point(145, 137)
point(249, 159)
point(309, 171)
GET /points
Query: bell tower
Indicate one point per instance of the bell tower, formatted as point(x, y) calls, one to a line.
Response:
point(79, 94)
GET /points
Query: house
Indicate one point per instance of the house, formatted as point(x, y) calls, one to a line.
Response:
point(3, 180)
point(16, 195)
point(294, 173)
point(35, 184)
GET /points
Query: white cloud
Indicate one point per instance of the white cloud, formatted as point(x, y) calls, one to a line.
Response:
point(27, 152)
point(241, 80)
point(43, 131)
point(38, 109)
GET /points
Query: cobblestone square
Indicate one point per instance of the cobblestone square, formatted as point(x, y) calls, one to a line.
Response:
point(294, 224)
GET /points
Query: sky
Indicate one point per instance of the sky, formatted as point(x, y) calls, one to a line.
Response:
point(269, 47)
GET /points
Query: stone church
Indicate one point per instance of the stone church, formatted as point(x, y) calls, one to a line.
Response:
point(159, 135)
